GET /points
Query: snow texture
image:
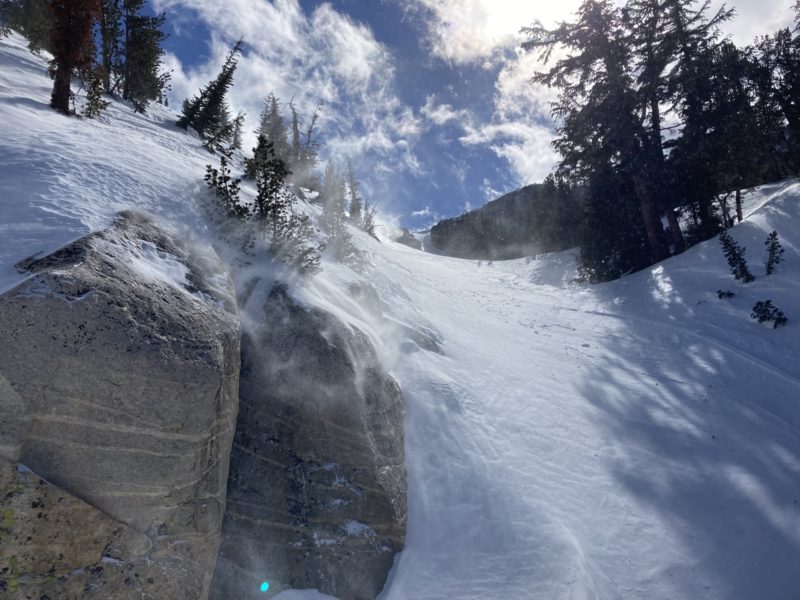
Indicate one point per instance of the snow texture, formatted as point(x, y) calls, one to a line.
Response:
point(638, 439)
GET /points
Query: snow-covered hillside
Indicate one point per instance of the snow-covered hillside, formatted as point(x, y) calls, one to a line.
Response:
point(638, 439)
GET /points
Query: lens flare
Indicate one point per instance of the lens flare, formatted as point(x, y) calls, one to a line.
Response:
point(264, 586)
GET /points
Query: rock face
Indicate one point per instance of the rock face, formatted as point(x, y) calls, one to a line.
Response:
point(317, 495)
point(118, 388)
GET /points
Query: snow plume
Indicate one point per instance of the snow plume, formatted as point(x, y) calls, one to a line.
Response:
point(318, 59)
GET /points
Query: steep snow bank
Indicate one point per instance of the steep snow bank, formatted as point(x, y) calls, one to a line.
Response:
point(63, 178)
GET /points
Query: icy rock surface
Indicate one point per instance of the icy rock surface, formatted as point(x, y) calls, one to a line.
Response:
point(119, 385)
point(317, 491)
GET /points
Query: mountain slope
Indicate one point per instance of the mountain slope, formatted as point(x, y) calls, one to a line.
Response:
point(638, 439)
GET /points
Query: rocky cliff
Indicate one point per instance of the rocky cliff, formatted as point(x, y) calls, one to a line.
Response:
point(118, 390)
point(317, 495)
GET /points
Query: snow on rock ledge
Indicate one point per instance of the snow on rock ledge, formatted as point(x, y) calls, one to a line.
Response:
point(119, 385)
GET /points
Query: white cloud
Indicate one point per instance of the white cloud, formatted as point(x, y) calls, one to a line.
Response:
point(470, 31)
point(425, 212)
point(323, 59)
point(441, 114)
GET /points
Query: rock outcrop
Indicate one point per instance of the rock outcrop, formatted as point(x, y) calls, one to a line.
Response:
point(317, 495)
point(118, 389)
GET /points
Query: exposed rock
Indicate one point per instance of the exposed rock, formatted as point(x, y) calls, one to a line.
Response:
point(317, 492)
point(119, 386)
point(407, 238)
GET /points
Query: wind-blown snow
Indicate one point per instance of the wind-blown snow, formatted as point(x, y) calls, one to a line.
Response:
point(638, 439)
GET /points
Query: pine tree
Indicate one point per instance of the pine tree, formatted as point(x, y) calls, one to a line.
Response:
point(94, 97)
point(774, 252)
point(766, 312)
point(734, 253)
point(352, 193)
point(273, 127)
point(111, 50)
point(303, 148)
point(270, 173)
point(143, 81)
point(236, 136)
point(334, 222)
point(368, 220)
point(226, 188)
point(601, 134)
point(31, 18)
point(208, 113)
point(72, 45)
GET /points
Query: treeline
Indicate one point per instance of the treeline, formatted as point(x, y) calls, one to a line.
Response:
point(111, 46)
point(283, 165)
point(662, 122)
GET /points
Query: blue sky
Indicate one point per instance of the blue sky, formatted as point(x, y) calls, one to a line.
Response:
point(430, 98)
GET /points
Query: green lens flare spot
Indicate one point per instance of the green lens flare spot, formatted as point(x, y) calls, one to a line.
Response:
point(265, 586)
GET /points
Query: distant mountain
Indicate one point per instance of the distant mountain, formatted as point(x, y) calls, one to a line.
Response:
point(534, 219)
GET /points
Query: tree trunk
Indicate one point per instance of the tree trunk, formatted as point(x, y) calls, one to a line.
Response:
point(677, 239)
point(126, 68)
point(739, 216)
point(723, 204)
point(61, 89)
point(652, 223)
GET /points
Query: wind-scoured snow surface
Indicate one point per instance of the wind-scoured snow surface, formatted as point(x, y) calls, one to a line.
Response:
point(638, 439)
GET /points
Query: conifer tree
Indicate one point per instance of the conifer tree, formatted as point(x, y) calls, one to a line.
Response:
point(334, 222)
point(72, 44)
point(94, 97)
point(143, 81)
point(352, 193)
point(31, 18)
point(236, 136)
point(273, 127)
point(208, 113)
point(734, 253)
point(601, 134)
point(226, 188)
point(111, 50)
point(269, 171)
point(303, 148)
point(368, 220)
point(774, 252)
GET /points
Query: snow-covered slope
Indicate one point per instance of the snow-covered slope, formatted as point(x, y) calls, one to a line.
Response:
point(638, 439)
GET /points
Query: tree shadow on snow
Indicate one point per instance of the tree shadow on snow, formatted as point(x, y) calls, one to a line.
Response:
point(705, 436)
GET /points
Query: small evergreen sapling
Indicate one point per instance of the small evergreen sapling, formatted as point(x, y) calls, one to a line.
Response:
point(765, 312)
point(775, 251)
point(94, 97)
point(735, 255)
